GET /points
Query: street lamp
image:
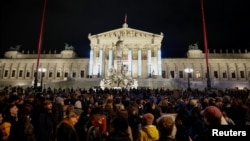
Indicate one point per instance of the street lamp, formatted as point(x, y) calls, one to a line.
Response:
point(188, 71)
point(42, 70)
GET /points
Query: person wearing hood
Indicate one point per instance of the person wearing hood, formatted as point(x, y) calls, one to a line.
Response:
point(148, 132)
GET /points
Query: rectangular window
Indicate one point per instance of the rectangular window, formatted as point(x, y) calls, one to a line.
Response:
point(74, 74)
point(181, 74)
point(163, 74)
point(27, 74)
point(43, 74)
point(50, 74)
point(242, 74)
point(13, 73)
point(198, 74)
point(82, 74)
point(215, 74)
point(6, 73)
point(224, 75)
point(233, 75)
point(20, 73)
point(66, 74)
point(58, 74)
point(172, 74)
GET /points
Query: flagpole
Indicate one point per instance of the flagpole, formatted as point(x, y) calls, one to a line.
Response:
point(125, 18)
point(205, 44)
point(39, 45)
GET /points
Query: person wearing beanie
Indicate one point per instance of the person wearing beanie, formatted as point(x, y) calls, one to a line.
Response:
point(212, 115)
point(59, 100)
point(212, 118)
point(148, 132)
point(78, 107)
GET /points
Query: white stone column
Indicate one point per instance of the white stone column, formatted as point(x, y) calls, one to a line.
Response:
point(139, 63)
point(130, 61)
point(159, 63)
point(91, 63)
point(149, 63)
point(110, 59)
point(100, 62)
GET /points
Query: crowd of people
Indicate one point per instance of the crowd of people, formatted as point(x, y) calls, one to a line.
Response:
point(119, 115)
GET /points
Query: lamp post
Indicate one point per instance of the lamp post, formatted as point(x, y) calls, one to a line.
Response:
point(188, 71)
point(42, 70)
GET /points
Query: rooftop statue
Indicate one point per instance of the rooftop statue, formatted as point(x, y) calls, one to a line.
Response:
point(193, 46)
point(15, 48)
point(68, 47)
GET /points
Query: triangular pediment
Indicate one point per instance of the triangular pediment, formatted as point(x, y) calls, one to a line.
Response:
point(125, 32)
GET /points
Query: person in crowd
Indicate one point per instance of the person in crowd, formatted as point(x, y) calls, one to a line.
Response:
point(140, 106)
point(65, 129)
point(148, 132)
point(238, 111)
point(82, 123)
point(212, 118)
point(166, 127)
point(228, 119)
point(1, 122)
point(78, 107)
point(134, 120)
point(110, 113)
point(122, 112)
point(57, 109)
point(153, 108)
point(45, 130)
point(10, 126)
point(25, 120)
point(96, 126)
point(119, 132)
point(194, 120)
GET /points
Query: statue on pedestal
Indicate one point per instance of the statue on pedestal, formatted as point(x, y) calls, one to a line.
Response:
point(119, 49)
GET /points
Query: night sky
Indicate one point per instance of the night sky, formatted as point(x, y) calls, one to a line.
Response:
point(70, 21)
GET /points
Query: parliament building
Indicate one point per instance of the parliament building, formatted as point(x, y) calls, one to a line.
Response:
point(126, 49)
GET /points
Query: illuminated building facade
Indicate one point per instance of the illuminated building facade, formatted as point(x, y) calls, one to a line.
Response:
point(138, 52)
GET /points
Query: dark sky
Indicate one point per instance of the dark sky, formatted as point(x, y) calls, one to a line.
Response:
point(70, 21)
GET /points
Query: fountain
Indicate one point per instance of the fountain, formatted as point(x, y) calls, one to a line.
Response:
point(119, 78)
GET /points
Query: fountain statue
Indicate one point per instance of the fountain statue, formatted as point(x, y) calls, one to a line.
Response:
point(117, 80)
